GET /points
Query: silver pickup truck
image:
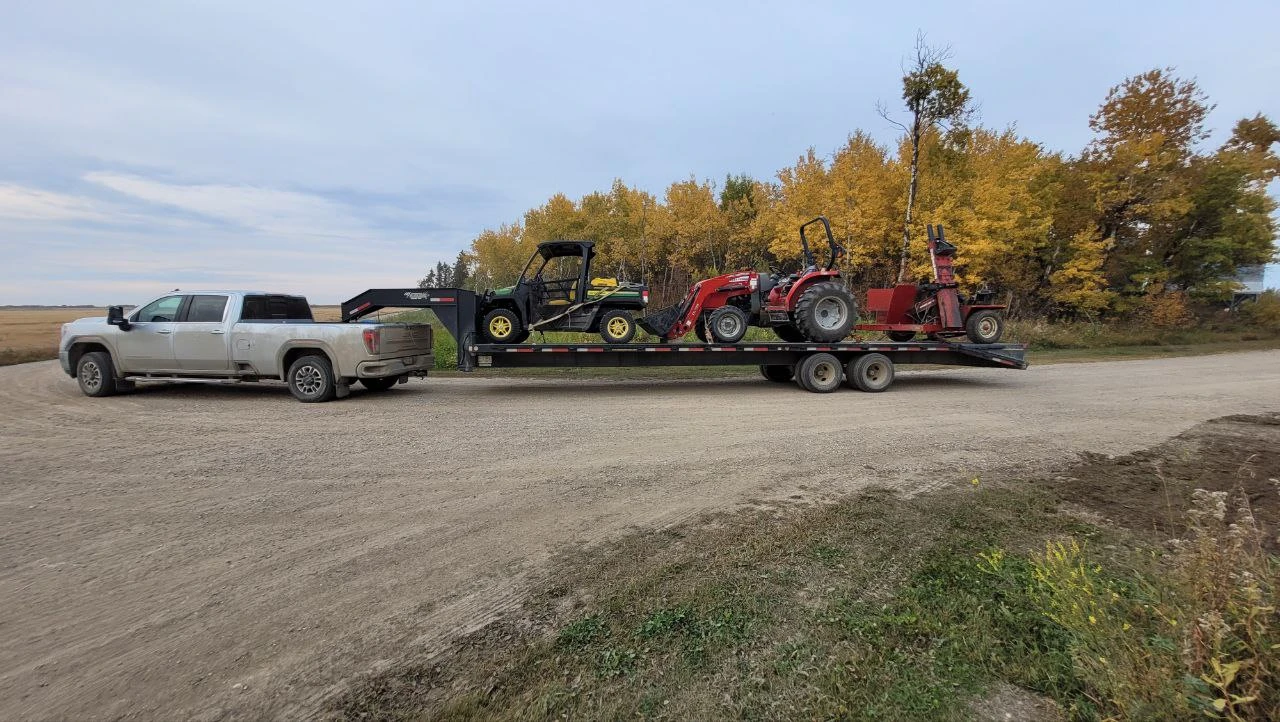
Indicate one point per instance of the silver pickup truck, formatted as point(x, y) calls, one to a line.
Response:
point(244, 336)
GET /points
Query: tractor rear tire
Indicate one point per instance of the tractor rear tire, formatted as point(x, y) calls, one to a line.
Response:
point(502, 325)
point(728, 324)
point(777, 373)
point(985, 326)
point(819, 373)
point(872, 372)
point(789, 333)
point(900, 336)
point(825, 312)
point(617, 326)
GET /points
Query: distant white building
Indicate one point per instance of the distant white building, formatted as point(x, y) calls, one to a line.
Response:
point(1251, 283)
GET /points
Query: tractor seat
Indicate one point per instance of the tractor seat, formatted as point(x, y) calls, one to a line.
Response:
point(558, 302)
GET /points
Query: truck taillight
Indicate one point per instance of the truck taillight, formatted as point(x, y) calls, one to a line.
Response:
point(372, 339)
point(644, 296)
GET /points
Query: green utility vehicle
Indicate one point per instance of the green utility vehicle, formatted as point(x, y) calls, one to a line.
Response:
point(556, 292)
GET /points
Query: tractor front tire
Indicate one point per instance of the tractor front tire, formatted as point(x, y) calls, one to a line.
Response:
point(900, 336)
point(985, 326)
point(820, 373)
point(502, 325)
point(872, 372)
point(825, 312)
point(728, 324)
point(777, 373)
point(617, 326)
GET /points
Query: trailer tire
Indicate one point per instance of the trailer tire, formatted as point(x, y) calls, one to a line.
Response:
point(380, 384)
point(825, 312)
point(871, 372)
point(819, 373)
point(728, 324)
point(502, 325)
point(311, 379)
point(985, 326)
point(789, 333)
point(95, 374)
point(617, 326)
point(777, 373)
point(900, 336)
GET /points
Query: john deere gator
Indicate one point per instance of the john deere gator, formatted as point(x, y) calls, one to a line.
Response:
point(556, 292)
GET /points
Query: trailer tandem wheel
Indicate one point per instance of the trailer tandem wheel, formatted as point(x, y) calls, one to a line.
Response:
point(870, 372)
point(819, 373)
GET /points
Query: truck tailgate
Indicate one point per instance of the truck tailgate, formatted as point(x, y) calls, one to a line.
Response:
point(402, 339)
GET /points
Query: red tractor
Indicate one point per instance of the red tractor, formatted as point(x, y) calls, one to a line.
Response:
point(935, 309)
point(812, 305)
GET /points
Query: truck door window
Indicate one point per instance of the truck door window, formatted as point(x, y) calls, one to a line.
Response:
point(162, 310)
point(206, 309)
point(275, 308)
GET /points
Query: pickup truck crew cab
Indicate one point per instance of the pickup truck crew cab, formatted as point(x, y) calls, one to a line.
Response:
point(240, 335)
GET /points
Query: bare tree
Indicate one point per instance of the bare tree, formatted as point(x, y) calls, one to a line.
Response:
point(935, 97)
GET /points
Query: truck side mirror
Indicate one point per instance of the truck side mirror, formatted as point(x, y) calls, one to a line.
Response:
point(115, 317)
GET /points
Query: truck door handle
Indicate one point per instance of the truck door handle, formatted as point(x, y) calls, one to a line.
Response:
point(163, 330)
point(217, 332)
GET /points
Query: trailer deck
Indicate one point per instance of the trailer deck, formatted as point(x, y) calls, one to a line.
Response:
point(818, 367)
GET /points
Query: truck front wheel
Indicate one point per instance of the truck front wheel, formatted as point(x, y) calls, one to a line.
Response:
point(311, 379)
point(95, 374)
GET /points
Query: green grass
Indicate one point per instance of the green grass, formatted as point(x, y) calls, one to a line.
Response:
point(875, 607)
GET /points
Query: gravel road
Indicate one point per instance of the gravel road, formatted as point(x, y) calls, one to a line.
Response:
point(213, 552)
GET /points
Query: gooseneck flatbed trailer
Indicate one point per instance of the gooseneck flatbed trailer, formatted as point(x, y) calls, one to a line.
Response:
point(818, 367)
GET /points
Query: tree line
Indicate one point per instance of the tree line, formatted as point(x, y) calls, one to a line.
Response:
point(1145, 218)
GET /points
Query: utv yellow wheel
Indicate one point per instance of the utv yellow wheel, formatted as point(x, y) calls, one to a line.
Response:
point(499, 327)
point(617, 327)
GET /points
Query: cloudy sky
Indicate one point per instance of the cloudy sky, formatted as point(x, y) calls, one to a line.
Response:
point(323, 148)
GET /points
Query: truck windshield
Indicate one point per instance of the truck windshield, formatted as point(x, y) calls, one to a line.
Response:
point(275, 308)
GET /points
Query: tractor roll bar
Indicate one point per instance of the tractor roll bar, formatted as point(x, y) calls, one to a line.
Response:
point(837, 251)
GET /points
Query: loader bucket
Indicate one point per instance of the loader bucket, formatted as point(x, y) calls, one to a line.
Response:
point(660, 323)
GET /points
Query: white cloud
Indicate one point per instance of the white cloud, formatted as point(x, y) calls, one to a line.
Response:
point(264, 210)
point(20, 203)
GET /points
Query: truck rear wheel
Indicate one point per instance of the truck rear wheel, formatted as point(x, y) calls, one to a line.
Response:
point(870, 372)
point(825, 312)
point(819, 373)
point(311, 379)
point(777, 373)
point(95, 374)
point(985, 326)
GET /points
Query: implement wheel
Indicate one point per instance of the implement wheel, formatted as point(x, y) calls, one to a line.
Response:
point(985, 326)
point(776, 373)
point(900, 336)
point(616, 326)
point(789, 333)
point(872, 372)
point(819, 373)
